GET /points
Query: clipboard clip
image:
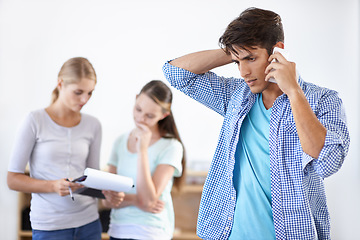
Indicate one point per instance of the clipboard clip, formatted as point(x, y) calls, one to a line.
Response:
point(80, 179)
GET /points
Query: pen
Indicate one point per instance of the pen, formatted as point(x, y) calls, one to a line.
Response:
point(71, 193)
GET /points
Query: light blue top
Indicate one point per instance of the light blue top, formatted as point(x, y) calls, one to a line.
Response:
point(164, 151)
point(253, 214)
point(297, 187)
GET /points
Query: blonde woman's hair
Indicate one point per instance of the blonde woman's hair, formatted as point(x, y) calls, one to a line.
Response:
point(72, 71)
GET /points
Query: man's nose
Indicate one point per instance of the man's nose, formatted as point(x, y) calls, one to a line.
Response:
point(244, 69)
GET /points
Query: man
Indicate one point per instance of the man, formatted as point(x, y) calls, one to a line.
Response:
point(278, 141)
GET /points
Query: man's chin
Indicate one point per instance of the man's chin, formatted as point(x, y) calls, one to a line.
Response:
point(256, 90)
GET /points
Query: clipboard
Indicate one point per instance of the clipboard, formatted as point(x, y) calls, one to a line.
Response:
point(95, 181)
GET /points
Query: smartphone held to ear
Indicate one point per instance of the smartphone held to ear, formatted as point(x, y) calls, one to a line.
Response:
point(283, 52)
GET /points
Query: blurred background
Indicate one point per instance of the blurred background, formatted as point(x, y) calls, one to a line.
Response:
point(128, 42)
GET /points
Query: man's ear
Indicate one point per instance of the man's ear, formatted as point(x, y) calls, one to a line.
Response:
point(280, 45)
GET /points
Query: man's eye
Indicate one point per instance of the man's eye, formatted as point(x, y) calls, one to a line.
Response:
point(78, 92)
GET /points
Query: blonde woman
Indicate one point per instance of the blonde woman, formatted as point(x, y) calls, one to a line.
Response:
point(59, 142)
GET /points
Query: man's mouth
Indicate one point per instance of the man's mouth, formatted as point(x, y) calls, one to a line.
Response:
point(250, 82)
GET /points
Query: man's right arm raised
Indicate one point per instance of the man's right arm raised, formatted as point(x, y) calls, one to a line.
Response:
point(191, 75)
point(203, 61)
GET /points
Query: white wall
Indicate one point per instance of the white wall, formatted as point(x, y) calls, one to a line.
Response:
point(128, 41)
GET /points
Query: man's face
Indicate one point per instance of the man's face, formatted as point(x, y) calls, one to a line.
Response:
point(252, 64)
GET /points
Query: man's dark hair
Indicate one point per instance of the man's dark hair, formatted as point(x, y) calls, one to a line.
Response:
point(253, 28)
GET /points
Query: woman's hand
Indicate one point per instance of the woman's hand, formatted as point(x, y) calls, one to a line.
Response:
point(62, 186)
point(113, 199)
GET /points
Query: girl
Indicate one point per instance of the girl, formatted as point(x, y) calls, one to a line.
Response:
point(152, 154)
point(59, 142)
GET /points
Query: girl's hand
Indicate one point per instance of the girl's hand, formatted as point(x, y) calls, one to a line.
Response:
point(157, 207)
point(113, 199)
point(142, 135)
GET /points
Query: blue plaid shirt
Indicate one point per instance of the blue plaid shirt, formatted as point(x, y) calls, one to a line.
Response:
point(297, 189)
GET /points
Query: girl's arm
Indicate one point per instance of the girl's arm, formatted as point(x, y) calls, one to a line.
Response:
point(121, 200)
point(149, 187)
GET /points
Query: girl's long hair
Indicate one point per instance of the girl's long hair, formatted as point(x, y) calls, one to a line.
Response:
point(162, 95)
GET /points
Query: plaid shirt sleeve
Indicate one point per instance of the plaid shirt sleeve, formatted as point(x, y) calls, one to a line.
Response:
point(297, 187)
point(331, 114)
point(208, 88)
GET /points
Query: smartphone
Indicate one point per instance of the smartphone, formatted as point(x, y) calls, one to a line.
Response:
point(282, 51)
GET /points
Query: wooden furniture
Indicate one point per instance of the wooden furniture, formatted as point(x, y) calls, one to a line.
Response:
point(186, 205)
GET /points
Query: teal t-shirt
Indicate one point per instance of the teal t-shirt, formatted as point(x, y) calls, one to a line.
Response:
point(253, 214)
point(164, 151)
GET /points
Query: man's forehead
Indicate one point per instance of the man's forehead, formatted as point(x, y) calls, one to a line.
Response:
point(242, 52)
point(244, 49)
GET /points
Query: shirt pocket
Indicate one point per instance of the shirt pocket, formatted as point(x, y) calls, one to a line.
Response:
point(290, 127)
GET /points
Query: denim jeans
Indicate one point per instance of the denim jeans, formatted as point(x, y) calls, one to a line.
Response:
point(90, 231)
point(112, 238)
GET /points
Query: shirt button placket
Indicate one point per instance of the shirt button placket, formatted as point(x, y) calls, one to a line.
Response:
point(226, 232)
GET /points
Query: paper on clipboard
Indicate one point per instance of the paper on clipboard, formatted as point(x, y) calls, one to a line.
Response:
point(107, 181)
